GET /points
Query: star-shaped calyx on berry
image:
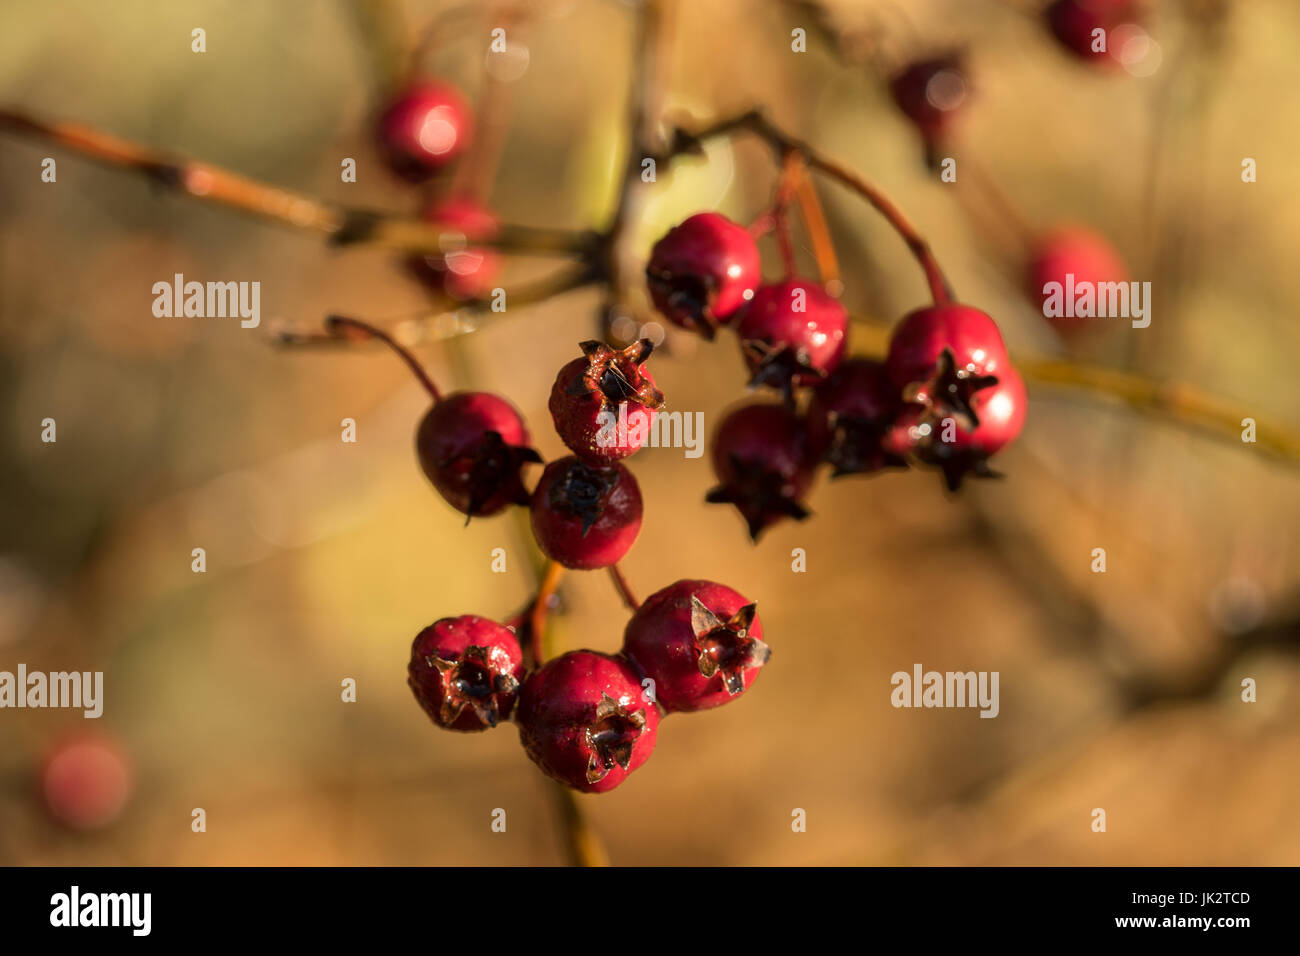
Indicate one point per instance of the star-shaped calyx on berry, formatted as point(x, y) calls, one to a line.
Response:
point(474, 680)
point(726, 647)
point(610, 737)
point(491, 469)
point(780, 366)
point(686, 299)
point(950, 390)
point(760, 494)
point(616, 374)
point(855, 446)
point(581, 491)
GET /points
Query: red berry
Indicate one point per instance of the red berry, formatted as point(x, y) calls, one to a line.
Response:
point(792, 333)
point(700, 642)
point(465, 672)
point(942, 354)
point(603, 403)
point(934, 438)
point(584, 721)
point(764, 463)
point(931, 93)
point(585, 517)
point(472, 446)
point(1073, 23)
point(425, 127)
point(85, 781)
point(462, 270)
point(702, 271)
point(1071, 251)
point(848, 415)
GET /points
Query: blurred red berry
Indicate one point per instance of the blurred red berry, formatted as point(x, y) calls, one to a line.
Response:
point(849, 413)
point(86, 780)
point(942, 354)
point(423, 129)
point(764, 464)
point(932, 94)
point(1075, 22)
point(702, 271)
point(461, 270)
point(792, 333)
point(1071, 251)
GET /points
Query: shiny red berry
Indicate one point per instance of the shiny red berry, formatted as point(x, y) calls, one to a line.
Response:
point(423, 129)
point(461, 270)
point(764, 463)
point(942, 354)
point(931, 93)
point(1075, 22)
point(473, 446)
point(465, 672)
point(792, 333)
point(702, 271)
point(957, 448)
point(603, 403)
point(700, 642)
point(584, 720)
point(848, 415)
point(1065, 252)
point(585, 517)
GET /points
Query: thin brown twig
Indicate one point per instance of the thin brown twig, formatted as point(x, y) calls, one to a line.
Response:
point(338, 326)
point(623, 587)
point(754, 122)
point(341, 225)
point(814, 218)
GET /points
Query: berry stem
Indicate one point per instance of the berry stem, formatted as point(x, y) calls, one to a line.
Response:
point(338, 325)
point(582, 846)
point(541, 607)
point(624, 589)
point(754, 122)
point(342, 225)
point(814, 217)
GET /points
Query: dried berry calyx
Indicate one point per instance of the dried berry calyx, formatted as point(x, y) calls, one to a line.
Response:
point(855, 445)
point(474, 681)
point(582, 492)
point(616, 374)
point(611, 736)
point(760, 494)
point(493, 468)
point(779, 365)
point(951, 390)
point(726, 647)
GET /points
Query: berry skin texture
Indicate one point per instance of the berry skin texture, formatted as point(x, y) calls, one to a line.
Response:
point(603, 403)
point(1071, 251)
point(957, 450)
point(848, 415)
point(764, 463)
point(702, 271)
point(792, 333)
point(462, 271)
point(472, 446)
point(423, 129)
point(931, 93)
point(583, 720)
point(85, 781)
point(941, 355)
point(1073, 23)
point(700, 642)
point(585, 517)
point(465, 672)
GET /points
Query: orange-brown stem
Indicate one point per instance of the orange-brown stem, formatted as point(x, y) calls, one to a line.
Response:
point(624, 589)
point(341, 326)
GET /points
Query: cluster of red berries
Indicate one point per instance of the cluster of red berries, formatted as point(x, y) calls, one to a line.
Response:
point(586, 718)
point(946, 395)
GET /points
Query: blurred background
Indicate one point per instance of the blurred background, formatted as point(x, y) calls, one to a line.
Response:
point(1119, 691)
